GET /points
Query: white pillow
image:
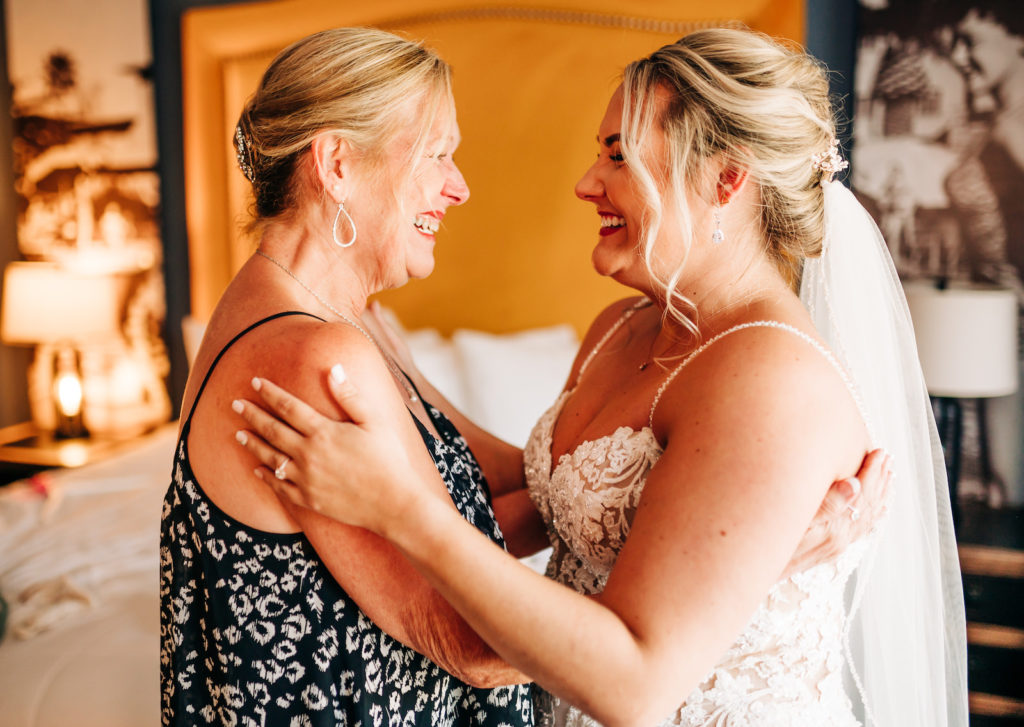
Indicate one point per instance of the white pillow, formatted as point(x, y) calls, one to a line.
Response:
point(435, 357)
point(511, 379)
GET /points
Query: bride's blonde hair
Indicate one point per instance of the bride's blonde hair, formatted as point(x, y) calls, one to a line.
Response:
point(742, 95)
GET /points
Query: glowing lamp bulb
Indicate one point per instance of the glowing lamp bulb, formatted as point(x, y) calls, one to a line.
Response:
point(69, 394)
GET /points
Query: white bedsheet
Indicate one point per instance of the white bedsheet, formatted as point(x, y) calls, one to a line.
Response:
point(79, 570)
point(100, 670)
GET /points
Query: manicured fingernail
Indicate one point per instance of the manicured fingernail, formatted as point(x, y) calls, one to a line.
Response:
point(338, 374)
point(256, 384)
point(240, 436)
point(237, 406)
point(258, 473)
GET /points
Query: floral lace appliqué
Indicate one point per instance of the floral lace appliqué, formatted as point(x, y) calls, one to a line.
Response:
point(786, 667)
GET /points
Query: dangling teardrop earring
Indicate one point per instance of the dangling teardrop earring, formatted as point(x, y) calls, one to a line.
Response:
point(334, 227)
point(717, 236)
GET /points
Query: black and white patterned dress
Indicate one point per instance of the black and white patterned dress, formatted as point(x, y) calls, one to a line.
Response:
point(254, 629)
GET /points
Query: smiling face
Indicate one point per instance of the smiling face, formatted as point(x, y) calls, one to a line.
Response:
point(400, 209)
point(984, 50)
point(611, 188)
point(436, 184)
point(622, 207)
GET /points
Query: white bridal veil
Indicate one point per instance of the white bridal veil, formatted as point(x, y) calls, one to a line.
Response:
point(907, 637)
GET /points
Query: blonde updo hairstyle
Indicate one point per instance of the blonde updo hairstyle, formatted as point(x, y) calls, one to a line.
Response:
point(742, 95)
point(348, 81)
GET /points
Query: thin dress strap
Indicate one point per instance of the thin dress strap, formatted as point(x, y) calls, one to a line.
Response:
point(626, 315)
point(229, 344)
point(781, 326)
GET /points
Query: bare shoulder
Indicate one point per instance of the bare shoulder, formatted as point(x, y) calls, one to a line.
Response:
point(770, 384)
point(296, 353)
point(298, 357)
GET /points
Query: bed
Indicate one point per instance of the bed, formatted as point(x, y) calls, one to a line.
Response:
point(496, 326)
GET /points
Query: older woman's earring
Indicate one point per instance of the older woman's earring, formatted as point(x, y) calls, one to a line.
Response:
point(334, 227)
point(717, 236)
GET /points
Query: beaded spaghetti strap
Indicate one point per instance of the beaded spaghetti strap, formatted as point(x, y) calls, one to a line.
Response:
point(626, 315)
point(783, 327)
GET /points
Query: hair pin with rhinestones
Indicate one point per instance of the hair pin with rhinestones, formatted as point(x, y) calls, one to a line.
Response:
point(243, 153)
point(829, 162)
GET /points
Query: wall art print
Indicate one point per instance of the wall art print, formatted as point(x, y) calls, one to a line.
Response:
point(87, 187)
point(938, 158)
point(939, 135)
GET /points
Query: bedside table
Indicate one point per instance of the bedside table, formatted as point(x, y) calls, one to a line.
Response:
point(991, 544)
point(25, 451)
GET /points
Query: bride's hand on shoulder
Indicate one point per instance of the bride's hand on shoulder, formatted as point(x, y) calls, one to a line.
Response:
point(356, 471)
point(848, 512)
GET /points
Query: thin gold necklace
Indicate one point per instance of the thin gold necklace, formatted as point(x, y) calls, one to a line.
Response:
point(396, 371)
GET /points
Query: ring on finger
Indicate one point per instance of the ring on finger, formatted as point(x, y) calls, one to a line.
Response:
point(279, 472)
point(854, 512)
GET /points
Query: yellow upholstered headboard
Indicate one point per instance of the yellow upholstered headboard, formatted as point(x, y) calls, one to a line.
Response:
point(531, 84)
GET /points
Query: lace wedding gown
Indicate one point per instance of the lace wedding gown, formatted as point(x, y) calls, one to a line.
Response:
point(786, 667)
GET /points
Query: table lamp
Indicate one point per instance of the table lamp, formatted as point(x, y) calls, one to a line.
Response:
point(967, 341)
point(60, 310)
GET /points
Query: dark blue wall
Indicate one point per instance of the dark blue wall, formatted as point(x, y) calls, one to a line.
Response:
point(832, 39)
point(165, 20)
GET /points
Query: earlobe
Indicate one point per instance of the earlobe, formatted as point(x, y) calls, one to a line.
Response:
point(730, 183)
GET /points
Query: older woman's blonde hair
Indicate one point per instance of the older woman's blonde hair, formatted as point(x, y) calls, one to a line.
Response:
point(352, 82)
point(741, 95)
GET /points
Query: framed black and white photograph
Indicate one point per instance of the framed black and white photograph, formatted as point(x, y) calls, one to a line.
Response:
point(938, 159)
point(939, 136)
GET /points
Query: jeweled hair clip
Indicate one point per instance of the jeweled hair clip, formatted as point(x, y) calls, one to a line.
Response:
point(243, 153)
point(829, 162)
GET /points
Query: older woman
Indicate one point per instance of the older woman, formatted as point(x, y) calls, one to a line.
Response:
point(348, 144)
point(699, 431)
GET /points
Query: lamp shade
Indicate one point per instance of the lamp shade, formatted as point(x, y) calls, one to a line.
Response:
point(46, 303)
point(966, 338)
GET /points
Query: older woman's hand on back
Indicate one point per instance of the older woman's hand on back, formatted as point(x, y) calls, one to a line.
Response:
point(849, 510)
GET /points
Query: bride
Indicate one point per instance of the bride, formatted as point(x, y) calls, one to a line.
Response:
point(702, 425)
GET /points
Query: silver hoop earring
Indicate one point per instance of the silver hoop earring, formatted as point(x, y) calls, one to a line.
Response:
point(351, 222)
point(717, 236)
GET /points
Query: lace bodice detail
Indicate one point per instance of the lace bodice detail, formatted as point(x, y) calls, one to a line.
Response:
point(784, 669)
point(590, 497)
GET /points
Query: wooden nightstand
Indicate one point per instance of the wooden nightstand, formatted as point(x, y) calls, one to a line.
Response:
point(25, 451)
point(992, 560)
